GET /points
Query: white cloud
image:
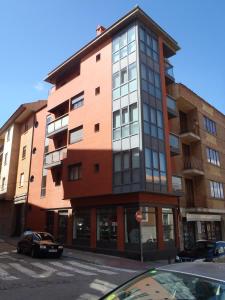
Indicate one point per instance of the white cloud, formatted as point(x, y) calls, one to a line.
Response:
point(39, 86)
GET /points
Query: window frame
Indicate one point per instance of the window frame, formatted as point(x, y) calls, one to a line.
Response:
point(76, 129)
point(72, 168)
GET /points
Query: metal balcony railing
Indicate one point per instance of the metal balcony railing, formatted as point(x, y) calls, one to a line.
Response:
point(193, 163)
point(58, 124)
point(193, 128)
point(55, 157)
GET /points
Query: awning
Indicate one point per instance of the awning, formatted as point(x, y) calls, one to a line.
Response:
point(201, 217)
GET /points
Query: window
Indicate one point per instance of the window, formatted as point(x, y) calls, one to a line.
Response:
point(21, 179)
point(153, 122)
point(34, 150)
point(96, 168)
point(209, 125)
point(216, 189)
point(177, 183)
point(155, 167)
point(168, 227)
point(8, 135)
point(76, 134)
point(97, 90)
point(77, 101)
point(57, 178)
point(98, 57)
point(36, 124)
point(213, 156)
point(82, 226)
point(3, 184)
point(44, 182)
point(74, 172)
point(97, 127)
point(24, 152)
point(6, 159)
point(25, 127)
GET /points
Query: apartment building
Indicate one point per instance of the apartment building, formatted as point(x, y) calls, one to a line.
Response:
point(16, 141)
point(200, 167)
point(106, 154)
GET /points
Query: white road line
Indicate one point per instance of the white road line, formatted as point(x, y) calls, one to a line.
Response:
point(4, 253)
point(102, 286)
point(4, 275)
point(51, 270)
point(88, 267)
point(58, 264)
point(87, 297)
point(29, 272)
point(120, 269)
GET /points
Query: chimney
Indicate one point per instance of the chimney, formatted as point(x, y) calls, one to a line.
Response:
point(99, 30)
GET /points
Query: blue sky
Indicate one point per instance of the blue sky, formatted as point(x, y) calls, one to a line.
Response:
point(36, 36)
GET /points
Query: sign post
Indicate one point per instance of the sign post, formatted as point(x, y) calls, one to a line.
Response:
point(138, 217)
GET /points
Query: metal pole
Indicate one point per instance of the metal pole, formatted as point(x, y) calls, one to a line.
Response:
point(141, 237)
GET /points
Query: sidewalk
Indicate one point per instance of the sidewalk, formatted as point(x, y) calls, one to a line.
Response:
point(100, 259)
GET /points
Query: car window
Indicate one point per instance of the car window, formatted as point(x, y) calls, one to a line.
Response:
point(205, 245)
point(42, 236)
point(168, 285)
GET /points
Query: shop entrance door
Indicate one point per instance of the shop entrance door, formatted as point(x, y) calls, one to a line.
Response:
point(62, 226)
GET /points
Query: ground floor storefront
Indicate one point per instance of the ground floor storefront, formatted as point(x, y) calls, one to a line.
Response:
point(140, 226)
point(201, 226)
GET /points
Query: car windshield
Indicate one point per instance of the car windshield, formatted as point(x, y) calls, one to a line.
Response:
point(158, 285)
point(42, 236)
point(204, 245)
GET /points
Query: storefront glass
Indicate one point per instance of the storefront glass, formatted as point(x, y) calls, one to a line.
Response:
point(148, 229)
point(168, 227)
point(107, 228)
point(81, 227)
point(132, 230)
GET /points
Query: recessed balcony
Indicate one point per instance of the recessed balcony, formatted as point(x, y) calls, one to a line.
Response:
point(54, 158)
point(169, 72)
point(174, 144)
point(190, 135)
point(193, 167)
point(171, 107)
point(57, 126)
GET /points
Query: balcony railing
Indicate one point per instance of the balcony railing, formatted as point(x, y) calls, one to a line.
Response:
point(57, 125)
point(55, 158)
point(190, 133)
point(193, 166)
point(171, 107)
point(174, 144)
point(169, 69)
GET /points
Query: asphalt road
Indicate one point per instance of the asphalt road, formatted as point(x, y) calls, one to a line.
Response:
point(23, 277)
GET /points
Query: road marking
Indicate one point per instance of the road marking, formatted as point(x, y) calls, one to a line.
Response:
point(88, 267)
point(4, 253)
point(4, 275)
point(58, 264)
point(120, 269)
point(51, 270)
point(29, 272)
point(87, 297)
point(102, 286)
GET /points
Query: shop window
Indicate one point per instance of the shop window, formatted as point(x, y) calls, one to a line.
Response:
point(168, 227)
point(132, 230)
point(81, 227)
point(148, 228)
point(106, 228)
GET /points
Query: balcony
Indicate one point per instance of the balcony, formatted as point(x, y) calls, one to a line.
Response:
point(193, 167)
point(169, 72)
point(58, 125)
point(171, 107)
point(53, 159)
point(190, 134)
point(174, 144)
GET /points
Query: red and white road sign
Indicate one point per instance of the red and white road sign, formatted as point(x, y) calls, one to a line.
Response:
point(138, 216)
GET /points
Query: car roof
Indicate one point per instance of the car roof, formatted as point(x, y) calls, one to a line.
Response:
point(208, 270)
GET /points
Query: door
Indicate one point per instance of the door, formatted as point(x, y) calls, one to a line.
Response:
point(183, 122)
point(189, 192)
point(62, 226)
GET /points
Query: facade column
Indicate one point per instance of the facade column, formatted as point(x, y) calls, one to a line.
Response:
point(120, 229)
point(56, 223)
point(176, 227)
point(70, 227)
point(159, 228)
point(93, 228)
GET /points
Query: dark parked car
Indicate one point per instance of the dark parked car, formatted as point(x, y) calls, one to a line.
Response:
point(206, 250)
point(192, 281)
point(39, 244)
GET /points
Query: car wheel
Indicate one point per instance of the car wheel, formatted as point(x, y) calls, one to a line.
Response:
point(33, 253)
point(19, 250)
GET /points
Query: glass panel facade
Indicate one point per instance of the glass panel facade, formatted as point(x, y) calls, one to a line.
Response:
point(132, 230)
point(148, 229)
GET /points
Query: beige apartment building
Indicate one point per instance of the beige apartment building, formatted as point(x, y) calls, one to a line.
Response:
point(199, 167)
point(16, 137)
